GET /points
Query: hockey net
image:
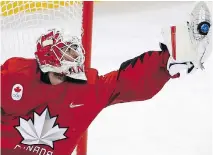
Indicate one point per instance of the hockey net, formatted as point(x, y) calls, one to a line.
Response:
point(22, 22)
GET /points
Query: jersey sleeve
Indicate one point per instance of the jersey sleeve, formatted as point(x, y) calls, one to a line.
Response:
point(137, 79)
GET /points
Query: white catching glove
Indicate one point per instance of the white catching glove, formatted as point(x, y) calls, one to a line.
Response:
point(189, 42)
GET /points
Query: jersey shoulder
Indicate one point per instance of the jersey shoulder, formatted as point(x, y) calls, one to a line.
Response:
point(19, 64)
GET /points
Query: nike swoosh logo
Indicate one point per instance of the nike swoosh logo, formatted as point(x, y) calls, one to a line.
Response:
point(75, 105)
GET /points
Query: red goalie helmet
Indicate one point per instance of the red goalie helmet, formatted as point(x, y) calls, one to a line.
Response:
point(60, 54)
point(44, 54)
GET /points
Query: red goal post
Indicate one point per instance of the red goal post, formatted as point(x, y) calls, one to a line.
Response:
point(87, 43)
point(24, 21)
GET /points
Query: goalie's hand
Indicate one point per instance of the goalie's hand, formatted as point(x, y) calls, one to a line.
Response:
point(175, 67)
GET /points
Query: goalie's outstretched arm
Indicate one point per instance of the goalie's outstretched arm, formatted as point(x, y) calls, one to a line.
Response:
point(140, 78)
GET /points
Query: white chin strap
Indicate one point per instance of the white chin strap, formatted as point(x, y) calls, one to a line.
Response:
point(78, 76)
point(73, 70)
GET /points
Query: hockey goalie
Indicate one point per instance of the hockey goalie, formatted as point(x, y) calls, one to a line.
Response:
point(48, 102)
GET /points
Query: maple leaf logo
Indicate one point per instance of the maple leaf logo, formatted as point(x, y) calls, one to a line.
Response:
point(42, 131)
point(17, 89)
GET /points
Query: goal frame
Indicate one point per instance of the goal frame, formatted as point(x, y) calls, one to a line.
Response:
point(87, 44)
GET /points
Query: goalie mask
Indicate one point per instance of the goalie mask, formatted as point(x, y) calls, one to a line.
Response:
point(61, 54)
point(191, 41)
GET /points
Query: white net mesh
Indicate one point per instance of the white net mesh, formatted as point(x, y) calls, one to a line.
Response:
point(22, 22)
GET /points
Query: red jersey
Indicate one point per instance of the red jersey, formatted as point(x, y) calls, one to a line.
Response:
point(44, 119)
